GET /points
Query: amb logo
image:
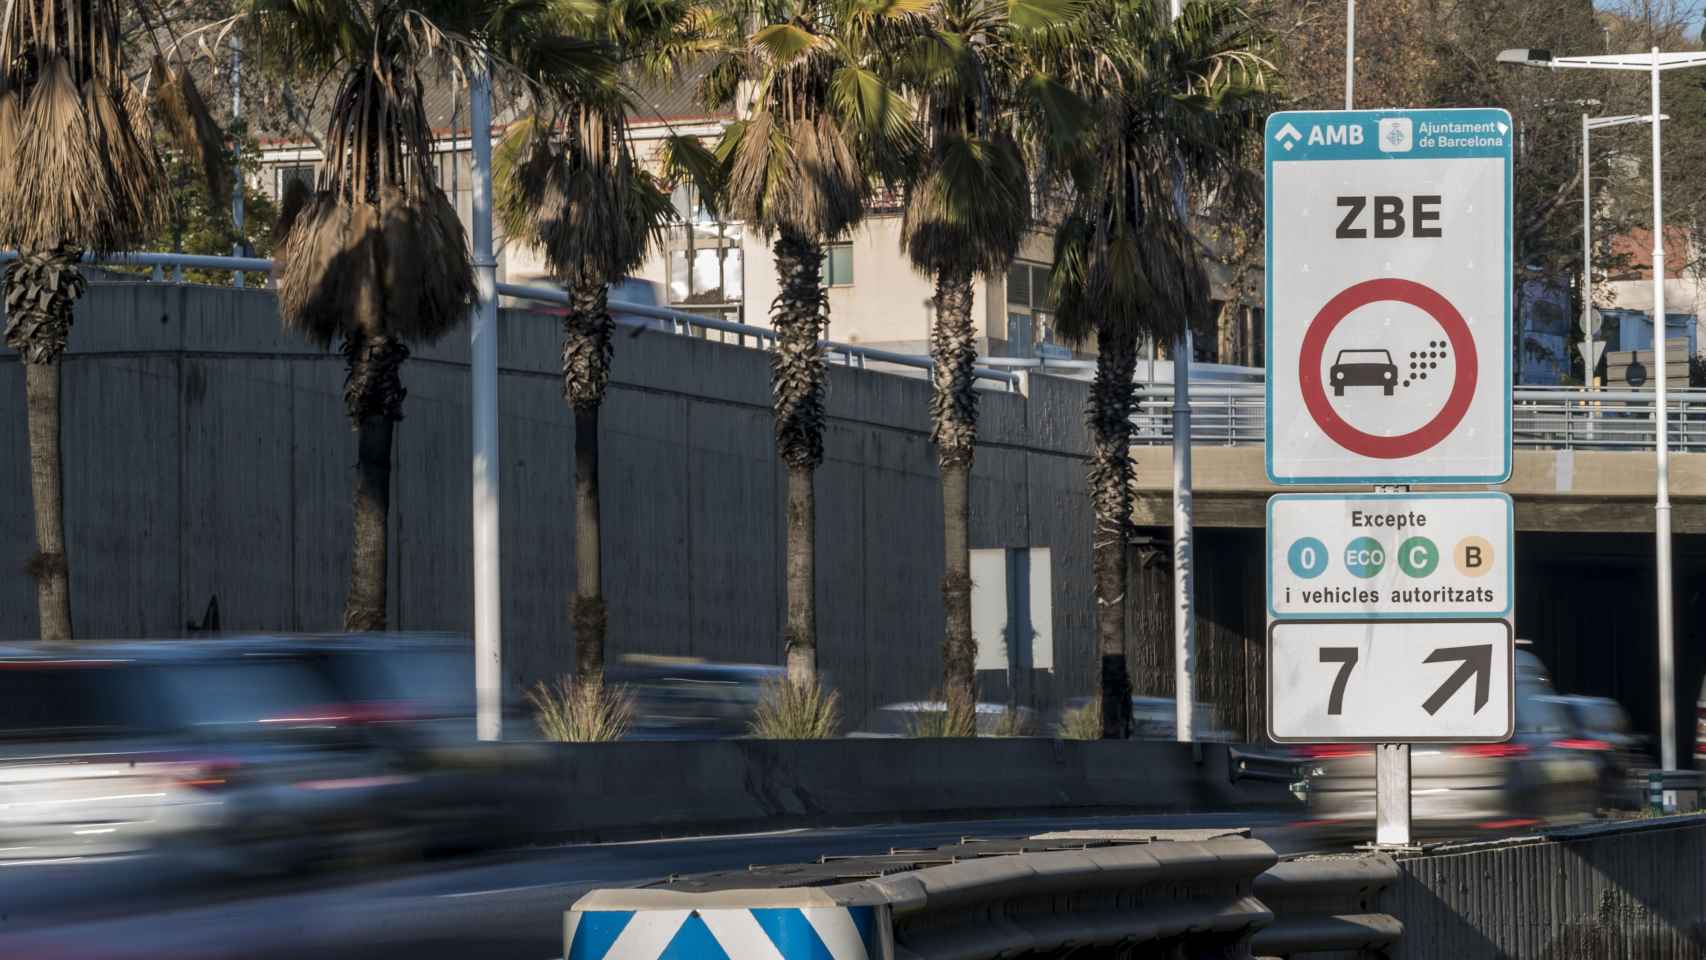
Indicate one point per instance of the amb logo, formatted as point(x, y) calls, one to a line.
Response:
point(1321, 134)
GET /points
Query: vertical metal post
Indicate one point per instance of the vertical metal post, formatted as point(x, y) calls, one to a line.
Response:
point(1587, 261)
point(483, 382)
point(1392, 771)
point(1184, 602)
point(1184, 553)
point(237, 247)
point(1661, 505)
point(1350, 53)
point(1392, 795)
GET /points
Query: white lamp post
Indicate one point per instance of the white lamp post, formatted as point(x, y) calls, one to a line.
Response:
point(1653, 63)
point(1590, 124)
point(483, 385)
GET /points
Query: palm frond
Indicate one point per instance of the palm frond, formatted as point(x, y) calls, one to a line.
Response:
point(580, 196)
point(687, 158)
point(969, 210)
point(785, 42)
point(192, 127)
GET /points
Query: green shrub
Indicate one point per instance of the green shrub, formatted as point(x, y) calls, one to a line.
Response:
point(797, 711)
point(581, 713)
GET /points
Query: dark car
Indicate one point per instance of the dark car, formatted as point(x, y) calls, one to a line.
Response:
point(1602, 731)
point(685, 698)
point(1363, 368)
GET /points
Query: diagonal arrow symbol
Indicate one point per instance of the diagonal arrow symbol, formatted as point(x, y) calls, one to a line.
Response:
point(1476, 662)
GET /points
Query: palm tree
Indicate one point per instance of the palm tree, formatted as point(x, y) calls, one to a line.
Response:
point(1178, 109)
point(78, 172)
point(352, 257)
point(567, 181)
point(823, 130)
point(968, 207)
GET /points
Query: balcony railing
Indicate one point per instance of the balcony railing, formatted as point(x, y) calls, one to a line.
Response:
point(1544, 418)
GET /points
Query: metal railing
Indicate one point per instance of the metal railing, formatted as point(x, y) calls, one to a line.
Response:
point(1546, 418)
point(680, 322)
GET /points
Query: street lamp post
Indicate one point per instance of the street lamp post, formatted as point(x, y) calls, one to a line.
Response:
point(1590, 124)
point(1654, 64)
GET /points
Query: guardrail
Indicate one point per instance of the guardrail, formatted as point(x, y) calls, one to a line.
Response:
point(1327, 904)
point(681, 322)
point(1548, 418)
point(1047, 896)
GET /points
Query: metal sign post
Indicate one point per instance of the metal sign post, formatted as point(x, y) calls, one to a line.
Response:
point(1389, 363)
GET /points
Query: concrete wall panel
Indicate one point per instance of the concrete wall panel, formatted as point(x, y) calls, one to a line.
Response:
point(208, 453)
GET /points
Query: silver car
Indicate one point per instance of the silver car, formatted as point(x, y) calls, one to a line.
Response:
point(1535, 777)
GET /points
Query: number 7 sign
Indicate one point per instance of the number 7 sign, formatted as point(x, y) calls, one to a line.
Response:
point(1390, 681)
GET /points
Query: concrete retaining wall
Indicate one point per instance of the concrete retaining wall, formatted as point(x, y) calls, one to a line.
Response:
point(207, 454)
point(672, 788)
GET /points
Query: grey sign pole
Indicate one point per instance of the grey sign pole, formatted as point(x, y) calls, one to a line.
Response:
point(1392, 773)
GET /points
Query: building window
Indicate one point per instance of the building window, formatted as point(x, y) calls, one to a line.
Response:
point(838, 265)
point(1030, 312)
point(283, 177)
point(705, 258)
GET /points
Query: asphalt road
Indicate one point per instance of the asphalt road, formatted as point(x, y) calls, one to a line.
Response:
point(501, 907)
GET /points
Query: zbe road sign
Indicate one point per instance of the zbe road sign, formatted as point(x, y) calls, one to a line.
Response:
point(1388, 681)
point(1372, 556)
point(1389, 296)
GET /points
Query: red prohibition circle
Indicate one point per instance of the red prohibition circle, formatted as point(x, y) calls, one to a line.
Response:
point(1463, 355)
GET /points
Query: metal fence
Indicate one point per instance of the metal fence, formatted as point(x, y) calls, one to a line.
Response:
point(680, 322)
point(1548, 418)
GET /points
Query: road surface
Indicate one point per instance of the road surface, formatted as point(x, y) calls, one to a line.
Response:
point(500, 907)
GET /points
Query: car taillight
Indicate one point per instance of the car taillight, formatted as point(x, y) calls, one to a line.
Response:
point(202, 773)
point(1490, 750)
point(355, 712)
point(1581, 743)
point(1332, 751)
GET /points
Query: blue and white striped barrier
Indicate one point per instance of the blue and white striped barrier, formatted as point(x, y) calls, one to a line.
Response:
point(729, 933)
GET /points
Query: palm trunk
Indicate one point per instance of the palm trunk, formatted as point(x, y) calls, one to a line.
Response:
point(41, 290)
point(52, 574)
point(373, 394)
point(1111, 401)
point(797, 385)
point(953, 411)
point(586, 375)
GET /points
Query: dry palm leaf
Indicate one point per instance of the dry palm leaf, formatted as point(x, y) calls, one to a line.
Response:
point(191, 124)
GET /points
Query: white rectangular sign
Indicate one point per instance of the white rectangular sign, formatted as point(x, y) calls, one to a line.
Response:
point(1374, 556)
point(1389, 296)
point(1390, 681)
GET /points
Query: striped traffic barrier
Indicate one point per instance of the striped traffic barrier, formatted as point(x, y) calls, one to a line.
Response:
point(765, 925)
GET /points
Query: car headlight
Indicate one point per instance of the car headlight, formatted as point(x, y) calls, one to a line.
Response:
point(1388, 374)
point(1338, 374)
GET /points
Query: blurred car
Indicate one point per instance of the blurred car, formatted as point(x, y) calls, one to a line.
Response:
point(924, 718)
point(1527, 780)
point(82, 768)
point(1602, 731)
point(683, 698)
point(109, 748)
point(1153, 718)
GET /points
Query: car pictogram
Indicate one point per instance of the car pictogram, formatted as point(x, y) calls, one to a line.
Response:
point(1363, 368)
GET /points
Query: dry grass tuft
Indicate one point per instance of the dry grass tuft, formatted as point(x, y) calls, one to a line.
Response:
point(581, 713)
point(1084, 723)
point(954, 719)
point(797, 711)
